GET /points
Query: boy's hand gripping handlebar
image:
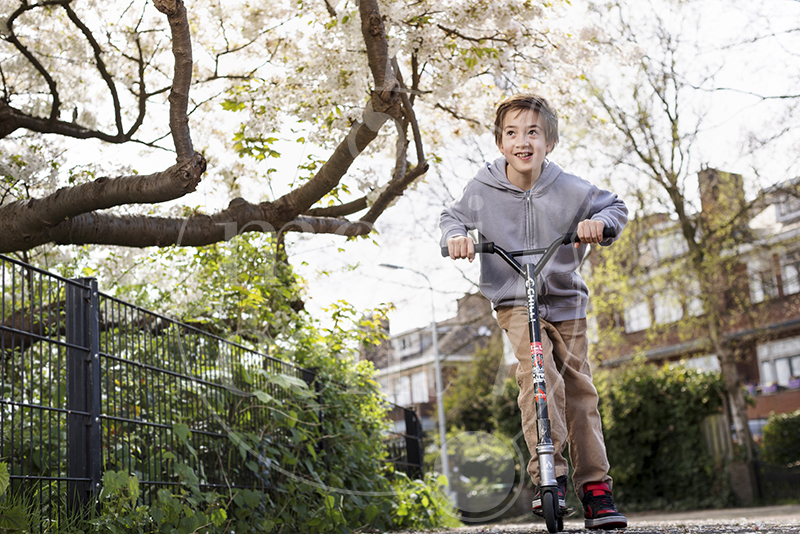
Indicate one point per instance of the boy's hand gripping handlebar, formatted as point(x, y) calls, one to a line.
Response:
point(489, 247)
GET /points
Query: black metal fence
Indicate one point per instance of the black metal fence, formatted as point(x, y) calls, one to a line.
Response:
point(404, 441)
point(777, 483)
point(91, 383)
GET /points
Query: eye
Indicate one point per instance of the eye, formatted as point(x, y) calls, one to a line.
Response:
point(532, 132)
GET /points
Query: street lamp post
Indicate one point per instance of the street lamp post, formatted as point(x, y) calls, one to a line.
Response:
point(438, 371)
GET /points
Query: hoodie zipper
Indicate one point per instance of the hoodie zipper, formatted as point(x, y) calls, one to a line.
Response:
point(530, 230)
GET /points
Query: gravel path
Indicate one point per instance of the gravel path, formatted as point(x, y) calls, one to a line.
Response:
point(766, 520)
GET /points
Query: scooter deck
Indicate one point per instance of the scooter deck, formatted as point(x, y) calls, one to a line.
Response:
point(565, 512)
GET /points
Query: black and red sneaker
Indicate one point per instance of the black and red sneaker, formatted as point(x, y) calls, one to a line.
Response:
point(598, 508)
point(562, 496)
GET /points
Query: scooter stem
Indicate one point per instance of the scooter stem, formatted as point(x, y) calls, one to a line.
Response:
point(545, 449)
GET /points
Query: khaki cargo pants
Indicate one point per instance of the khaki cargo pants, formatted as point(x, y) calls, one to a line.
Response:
point(574, 418)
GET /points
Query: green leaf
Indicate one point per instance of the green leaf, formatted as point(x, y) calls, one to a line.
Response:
point(13, 519)
point(182, 431)
point(5, 478)
point(264, 397)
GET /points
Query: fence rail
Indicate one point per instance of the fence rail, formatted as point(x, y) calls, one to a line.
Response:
point(777, 483)
point(90, 383)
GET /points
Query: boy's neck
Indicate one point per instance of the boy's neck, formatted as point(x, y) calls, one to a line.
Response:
point(523, 181)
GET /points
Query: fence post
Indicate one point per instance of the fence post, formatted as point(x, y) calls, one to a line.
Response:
point(414, 440)
point(83, 391)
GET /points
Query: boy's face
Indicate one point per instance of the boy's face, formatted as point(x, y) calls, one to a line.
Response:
point(523, 143)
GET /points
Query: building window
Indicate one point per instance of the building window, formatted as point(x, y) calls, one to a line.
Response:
point(419, 388)
point(667, 308)
point(708, 364)
point(407, 345)
point(790, 271)
point(762, 280)
point(788, 208)
point(402, 391)
point(637, 317)
point(779, 361)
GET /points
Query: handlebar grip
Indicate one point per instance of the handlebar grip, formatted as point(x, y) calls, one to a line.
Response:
point(480, 248)
point(608, 233)
point(484, 248)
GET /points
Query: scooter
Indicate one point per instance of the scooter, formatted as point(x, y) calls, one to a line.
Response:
point(553, 515)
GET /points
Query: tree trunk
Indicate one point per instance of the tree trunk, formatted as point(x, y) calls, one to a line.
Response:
point(736, 403)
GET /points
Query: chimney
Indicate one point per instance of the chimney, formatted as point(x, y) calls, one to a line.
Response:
point(721, 196)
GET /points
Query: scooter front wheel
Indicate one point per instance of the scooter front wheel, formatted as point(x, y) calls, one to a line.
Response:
point(550, 511)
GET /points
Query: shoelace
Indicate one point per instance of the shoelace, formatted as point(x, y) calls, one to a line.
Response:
point(602, 503)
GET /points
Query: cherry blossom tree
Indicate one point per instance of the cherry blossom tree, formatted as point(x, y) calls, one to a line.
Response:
point(218, 84)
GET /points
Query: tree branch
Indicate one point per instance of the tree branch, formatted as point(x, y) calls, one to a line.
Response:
point(332, 171)
point(374, 33)
point(410, 115)
point(12, 38)
point(393, 190)
point(23, 224)
point(182, 75)
point(101, 66)
point(197, 230)
point(383, 105)
point(341, 210)
point(456, 115)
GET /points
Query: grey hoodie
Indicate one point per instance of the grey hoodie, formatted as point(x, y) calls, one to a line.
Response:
point(518, 220)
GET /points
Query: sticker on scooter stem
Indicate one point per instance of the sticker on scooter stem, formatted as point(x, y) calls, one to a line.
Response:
point(537, 354)
point(539, 395)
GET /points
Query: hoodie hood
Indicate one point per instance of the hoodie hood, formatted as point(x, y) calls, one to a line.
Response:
point(494, 175)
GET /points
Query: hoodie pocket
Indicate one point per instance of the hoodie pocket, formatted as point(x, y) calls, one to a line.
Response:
point(562, 290)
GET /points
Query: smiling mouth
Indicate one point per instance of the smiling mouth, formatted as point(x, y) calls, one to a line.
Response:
point(524, 155)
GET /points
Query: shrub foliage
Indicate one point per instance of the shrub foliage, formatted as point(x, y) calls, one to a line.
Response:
point(652, 425)
point(782, 438)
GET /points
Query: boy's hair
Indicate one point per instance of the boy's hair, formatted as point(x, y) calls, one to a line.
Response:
point(528, 101)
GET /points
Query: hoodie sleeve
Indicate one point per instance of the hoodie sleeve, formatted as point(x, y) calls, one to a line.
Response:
point(611, 210)
point(457, 218)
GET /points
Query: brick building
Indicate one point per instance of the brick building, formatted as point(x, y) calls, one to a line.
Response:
point(762, 321)
point(405, 362)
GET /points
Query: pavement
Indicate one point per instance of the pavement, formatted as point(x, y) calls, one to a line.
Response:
point(756, 520)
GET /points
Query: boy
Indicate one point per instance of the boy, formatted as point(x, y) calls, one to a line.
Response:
point(523, 201)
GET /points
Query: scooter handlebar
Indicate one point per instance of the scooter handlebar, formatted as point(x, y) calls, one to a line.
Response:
point(488, 246)
point(570, 238)
point(480, 248)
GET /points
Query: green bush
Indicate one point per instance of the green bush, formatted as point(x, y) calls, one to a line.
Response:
point(782, 438)
point(652, 425)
